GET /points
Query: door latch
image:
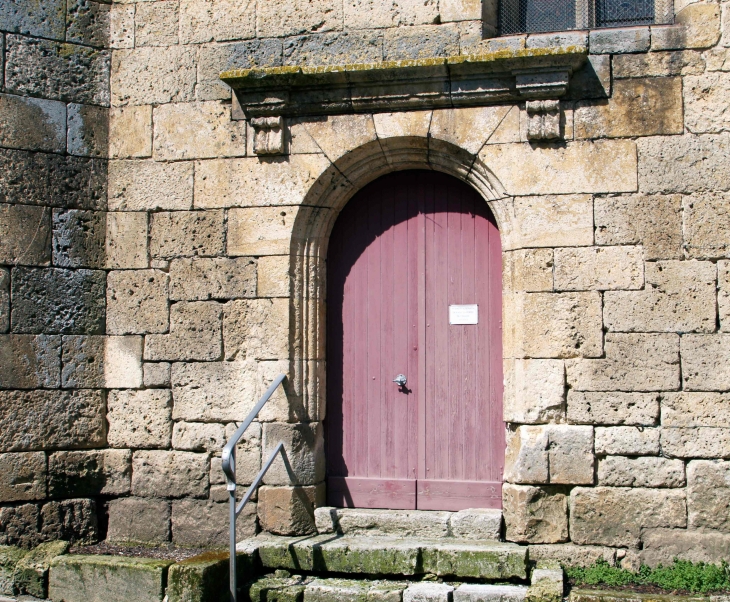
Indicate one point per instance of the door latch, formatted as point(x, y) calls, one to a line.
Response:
point(400, 380)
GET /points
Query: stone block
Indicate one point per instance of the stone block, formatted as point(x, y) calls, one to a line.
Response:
point(347, 47)
point(477, 592)
point(428, 592)
point(139, 520)
point(535, 514)
point(156, 374)
point(304, 448)
point(46, 19)
point(33, 124)
point(560, 325)
point(708, 495)
point(19, 525)
point(197, 130)
point(705, 229)
point(698, 26)
point(534, 391)
point(25, 235)
point(471, 128)
point(702, 96)
point(74, 521)
point(88, 127)
point(526, 458)
point(88, 22)
point(637, 107)
point(79, 238)
point(632, 362)
point(9, 557)
point(137, 302)
point(83, 361)
point(200, 577)
point(130, 132)
point(123, 362)
point(172, 474)
point(121, 26)
point(593, 79)
point(140, 419)
point(198, 436)
point(22, 476)
point(685, 409)
point(701, 370)
point(203, 279)
point(57, 181)
point(186, 234)
point(202, 523)
point(49, 420)
point(575, 167)
point(619, 40)
point(337, 135)
point(195, 334)
point(89, 473)
point(616, 516)
point(570, 454)
point(273, 277)
point(145, 76)
point(302, 17)
point(662, 546)
point(58, 71)
point(58, 301)
point(640, 409)
point(126, 240)
point(658, 64)
point(684, 164)
point(78, 578)
point(289, 510)
point(4, 300)
point(420, 42)
point(655, 222)
point(257, 329)
point(218, 20)
point(599, 268)
point(324, 590)
point(723, 295)
point(31, 572)
point(260, 231)
point(627, 440)
point(620, 471)
point(702, 442)
point(559, 39)
point(29, 362)
point(216, 58)
point(527, 270)
point(679, 297)
point(571, 554)
point(156, 24)
point(476, 523)
point(248, 456)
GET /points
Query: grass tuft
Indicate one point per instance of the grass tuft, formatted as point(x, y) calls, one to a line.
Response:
point(680, 575)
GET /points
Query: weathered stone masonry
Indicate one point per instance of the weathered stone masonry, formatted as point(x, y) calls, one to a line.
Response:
point(143, 322)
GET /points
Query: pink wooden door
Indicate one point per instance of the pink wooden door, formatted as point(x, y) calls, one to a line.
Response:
point(406, 248)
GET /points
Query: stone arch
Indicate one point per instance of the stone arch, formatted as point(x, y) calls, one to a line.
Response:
point(314, 222)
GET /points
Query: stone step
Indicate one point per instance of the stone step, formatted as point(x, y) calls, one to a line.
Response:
point(391, 556)
point(476, 523)
point(313, 589)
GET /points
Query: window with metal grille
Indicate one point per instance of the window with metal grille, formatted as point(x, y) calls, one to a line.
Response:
point(533, 16)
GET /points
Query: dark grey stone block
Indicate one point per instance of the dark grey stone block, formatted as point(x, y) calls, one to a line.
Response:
point(35, 124)
point(83, 362)
point(402, 43)
point(79, 238)
point(57, 181)
point(51, 419)
point(58, 301)
point(89, 473)
point(25, 234)
point(593, 80)
point(45, 18)
point(88, 130)
point(4, 300)
point(70, 520)
point(28, 361)
point(59, 71)
point(241, 55)
point(20, 525)
point(334, 48)
point(87, 22)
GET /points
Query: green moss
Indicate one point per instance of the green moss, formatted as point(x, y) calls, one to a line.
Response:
point(680, 575)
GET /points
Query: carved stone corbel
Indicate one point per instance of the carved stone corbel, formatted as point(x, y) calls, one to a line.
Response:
point(268, 138)
point(543, 119)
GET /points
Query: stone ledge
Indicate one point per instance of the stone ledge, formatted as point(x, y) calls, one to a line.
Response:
point(461, 80)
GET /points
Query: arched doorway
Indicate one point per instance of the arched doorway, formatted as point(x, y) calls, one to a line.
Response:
point(414, 288)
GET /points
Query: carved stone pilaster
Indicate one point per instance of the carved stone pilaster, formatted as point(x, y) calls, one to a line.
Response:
point(543, 119)
point(268, 138)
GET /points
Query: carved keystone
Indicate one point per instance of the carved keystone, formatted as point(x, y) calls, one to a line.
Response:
point(268, 135)
point(543, 119)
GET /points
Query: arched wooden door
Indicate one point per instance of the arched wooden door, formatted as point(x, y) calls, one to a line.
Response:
point(414, 288)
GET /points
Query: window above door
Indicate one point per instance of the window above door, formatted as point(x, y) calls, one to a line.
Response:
point(534, 16)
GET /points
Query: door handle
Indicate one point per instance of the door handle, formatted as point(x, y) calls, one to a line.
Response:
point(400, 380)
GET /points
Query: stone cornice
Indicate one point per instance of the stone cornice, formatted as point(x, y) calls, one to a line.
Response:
point(465, 80)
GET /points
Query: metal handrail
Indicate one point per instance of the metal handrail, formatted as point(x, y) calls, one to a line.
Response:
point(228, 463)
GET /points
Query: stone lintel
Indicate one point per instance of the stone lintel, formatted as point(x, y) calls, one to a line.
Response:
point(468, 80)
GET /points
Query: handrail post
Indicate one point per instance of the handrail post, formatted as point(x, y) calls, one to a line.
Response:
point(232, 578)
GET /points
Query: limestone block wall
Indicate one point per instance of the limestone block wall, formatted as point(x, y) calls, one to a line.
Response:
point(54, 97)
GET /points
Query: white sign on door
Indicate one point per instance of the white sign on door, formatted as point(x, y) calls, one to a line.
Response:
point(463, 314)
